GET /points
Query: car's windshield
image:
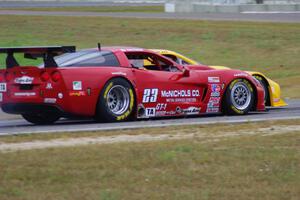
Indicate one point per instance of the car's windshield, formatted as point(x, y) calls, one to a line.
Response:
point(179, 60)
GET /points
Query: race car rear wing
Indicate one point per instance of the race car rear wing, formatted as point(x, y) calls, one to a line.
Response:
point(45, 52)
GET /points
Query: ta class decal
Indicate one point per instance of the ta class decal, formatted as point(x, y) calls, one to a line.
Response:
point(77, 85)
point(150, 112)
point(150, 95)
point(24, 80)
point(3, 87)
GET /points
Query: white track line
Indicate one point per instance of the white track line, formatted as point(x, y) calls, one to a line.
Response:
point(147, 125)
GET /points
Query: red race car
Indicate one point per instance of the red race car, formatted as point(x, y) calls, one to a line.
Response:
point(118, 84)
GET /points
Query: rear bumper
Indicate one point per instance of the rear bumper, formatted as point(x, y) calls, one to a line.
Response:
point(30, 108)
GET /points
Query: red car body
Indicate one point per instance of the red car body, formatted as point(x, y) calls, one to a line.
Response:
point(75, 91)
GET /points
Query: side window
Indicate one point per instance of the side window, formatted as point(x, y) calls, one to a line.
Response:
point(95, 58)
point(150, 62)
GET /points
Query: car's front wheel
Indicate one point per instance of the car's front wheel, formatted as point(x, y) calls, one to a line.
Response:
point(116, 101)
point(41, 119)
point(239, 97)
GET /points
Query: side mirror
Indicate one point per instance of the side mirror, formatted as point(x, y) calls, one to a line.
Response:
point(185, 72)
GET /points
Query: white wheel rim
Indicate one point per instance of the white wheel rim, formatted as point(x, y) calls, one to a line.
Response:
point(118, 99)
point(240, 96)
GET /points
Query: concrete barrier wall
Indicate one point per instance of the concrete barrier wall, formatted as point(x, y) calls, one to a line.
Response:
point(231, 6)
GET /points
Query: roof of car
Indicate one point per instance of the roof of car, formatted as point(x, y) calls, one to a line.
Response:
point(121, 48)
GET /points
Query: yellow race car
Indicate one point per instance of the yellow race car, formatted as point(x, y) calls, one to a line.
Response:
point(272, 89)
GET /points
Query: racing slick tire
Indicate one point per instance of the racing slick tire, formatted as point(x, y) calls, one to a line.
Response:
point(41, 119)
point(116, 101)
point(264, 84)
point(239, 97)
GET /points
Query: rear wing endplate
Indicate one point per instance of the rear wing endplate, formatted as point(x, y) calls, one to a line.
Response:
point(46, 52)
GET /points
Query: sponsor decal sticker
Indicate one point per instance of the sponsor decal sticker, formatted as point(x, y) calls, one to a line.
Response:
point(24, 94)
point(276, 100)
point(50, 100)
point(215, 94)
point(212, 110)
point(3, 87)
point(213, 79)
point(214, 99)
point(191, 111)
point(273, 89)
point(241, 74)
point(172, 100)
point(60, 95)
point(150, 112)
point(1, 97)
point(49, 86)
point(161, 113)
point(215, 88)
point(178, 110)
point(24, 80)
point(180, 93)
point(161, 106)
point(119, 73)
point(77, 93)
point(77, 85)
point(213, 105)
point(165, 113)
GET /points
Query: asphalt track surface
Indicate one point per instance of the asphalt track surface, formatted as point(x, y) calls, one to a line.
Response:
point(20, 126)
point(256, 17)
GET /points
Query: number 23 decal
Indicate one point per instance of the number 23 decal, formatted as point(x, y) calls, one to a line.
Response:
point(150, 95)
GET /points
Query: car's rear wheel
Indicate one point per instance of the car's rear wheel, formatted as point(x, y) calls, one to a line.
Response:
point(116, 101)
point(264, 84)
point(41, 119)
point(239, 97)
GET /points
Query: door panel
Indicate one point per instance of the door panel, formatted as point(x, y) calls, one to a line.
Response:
point(164, 93)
